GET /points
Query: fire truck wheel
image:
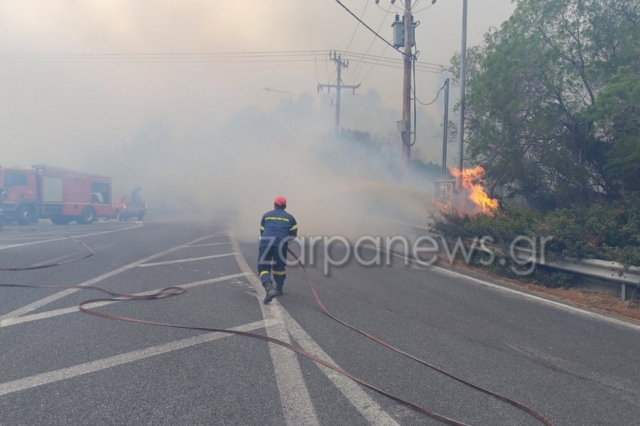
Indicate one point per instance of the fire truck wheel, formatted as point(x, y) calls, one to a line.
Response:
point(60, 220)
point(87, 216)
point(25, 215)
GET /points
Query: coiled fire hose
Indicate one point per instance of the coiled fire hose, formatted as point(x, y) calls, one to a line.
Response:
point(88, 253)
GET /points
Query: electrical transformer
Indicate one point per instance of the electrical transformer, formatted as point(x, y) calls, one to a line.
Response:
point(398, 32)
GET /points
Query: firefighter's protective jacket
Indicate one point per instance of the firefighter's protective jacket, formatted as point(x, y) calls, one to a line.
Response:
point(277, 225)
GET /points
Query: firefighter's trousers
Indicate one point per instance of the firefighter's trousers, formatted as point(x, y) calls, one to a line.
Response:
point(273, 255)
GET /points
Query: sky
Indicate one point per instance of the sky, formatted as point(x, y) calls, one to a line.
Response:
point(71, 97)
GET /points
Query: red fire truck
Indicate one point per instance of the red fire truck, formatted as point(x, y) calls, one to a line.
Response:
point(53, 193)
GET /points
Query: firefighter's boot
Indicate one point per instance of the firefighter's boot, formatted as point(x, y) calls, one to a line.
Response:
point(279, 278)
point(271, 293)
point(279, 291)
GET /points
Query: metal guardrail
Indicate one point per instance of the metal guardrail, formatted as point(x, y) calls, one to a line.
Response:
point(608, 272)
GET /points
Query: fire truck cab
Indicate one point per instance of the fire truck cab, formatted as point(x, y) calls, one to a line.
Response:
point(45, 192)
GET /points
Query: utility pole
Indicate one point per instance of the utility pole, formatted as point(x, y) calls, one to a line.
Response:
point(445, 130)
point(338, 86)
point(406, 90)
point(403, 36)
point(463, 78)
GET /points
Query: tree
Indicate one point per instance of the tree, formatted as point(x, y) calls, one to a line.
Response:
point(533, 101)
point(618, 120)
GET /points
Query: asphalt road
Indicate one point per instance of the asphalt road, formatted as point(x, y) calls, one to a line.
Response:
point(61, 367)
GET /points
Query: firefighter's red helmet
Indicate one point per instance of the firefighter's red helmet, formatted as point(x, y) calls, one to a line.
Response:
point(280, 201)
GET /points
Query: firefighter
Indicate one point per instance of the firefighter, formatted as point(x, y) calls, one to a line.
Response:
point(135, 196)
point(277, 228)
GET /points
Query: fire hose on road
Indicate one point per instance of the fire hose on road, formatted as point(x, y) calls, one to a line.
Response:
point(174, 291)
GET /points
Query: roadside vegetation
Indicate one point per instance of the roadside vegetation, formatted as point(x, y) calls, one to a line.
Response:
point(553, 117)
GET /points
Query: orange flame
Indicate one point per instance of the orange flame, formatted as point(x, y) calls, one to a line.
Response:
point(472, 181)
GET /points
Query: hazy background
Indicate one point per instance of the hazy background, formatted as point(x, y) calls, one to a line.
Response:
point(205, 132)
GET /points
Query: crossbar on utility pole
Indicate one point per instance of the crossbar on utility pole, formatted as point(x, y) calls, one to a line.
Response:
point(338, 86)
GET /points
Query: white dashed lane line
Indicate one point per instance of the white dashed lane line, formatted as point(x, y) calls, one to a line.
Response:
point(57, 312)
point(191, 259)
point(50, 299)
point(122, 359)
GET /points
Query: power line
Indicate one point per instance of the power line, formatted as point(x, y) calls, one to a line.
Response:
point(161, 61)
point(430, 103)
point(386, 47)
point(356, 54)
point(369, 48)
point(423, 9)
point(376, 61)
point(432, 69)
point(368, 27)
point(358, 24)
point(257, 57)
point(395, 61)
point(309, 54)
point(393, 5)
point(176, 54)
point(374, 65)
point(400, 67)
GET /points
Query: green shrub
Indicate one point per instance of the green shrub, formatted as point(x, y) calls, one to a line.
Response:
point(601, 231)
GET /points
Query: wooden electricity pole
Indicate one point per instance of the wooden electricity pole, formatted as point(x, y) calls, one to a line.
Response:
point(463, 79)
point(445, 130)
point(406, 90)
point(338, 86)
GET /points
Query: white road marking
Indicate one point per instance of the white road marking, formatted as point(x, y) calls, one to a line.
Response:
point(9, 236)
point(16, 235)
point(57, 312)
point(208, 245)
point(562, 306)
point(219, 234)
point(39, 237)
point(190, 259)
point(367, 407)
point(49, 299)
point(294, 395)
point(126, 358)
point(66, 238)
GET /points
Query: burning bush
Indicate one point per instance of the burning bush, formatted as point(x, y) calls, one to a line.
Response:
point(472, 198)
